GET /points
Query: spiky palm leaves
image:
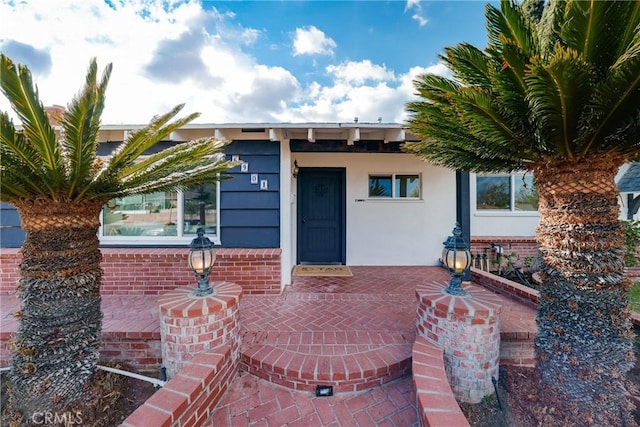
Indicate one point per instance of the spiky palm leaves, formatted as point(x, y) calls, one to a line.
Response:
point(59, 186)
point(556, 92)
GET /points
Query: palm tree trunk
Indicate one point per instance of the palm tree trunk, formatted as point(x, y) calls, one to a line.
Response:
point(56, 346)
point(584, 341)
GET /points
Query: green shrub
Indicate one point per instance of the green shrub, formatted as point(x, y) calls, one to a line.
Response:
point(634, 297)
point(632, 237)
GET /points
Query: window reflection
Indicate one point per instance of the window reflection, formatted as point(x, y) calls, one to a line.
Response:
point(380, 186)
point(493, 192)
point(153, 214)
point(200, 209)
point(161, 213)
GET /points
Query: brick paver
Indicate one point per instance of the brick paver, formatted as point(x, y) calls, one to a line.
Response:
point(354, 332)
point(255, 402)
point(331, 316)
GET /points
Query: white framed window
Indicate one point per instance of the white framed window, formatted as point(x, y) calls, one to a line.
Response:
point(162, 217)
point(506, 193)
point(394, 186)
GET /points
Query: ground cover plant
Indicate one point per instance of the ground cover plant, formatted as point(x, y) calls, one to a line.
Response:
point(556, 92)
point(634, 297)
point(59, 186)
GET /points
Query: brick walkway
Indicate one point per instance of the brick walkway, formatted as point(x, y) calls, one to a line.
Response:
point(321, 316)
point(376, 302)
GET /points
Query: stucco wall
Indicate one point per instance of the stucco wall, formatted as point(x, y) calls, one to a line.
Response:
point(390, 232)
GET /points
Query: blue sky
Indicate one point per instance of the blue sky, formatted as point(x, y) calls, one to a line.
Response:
point(239, 61)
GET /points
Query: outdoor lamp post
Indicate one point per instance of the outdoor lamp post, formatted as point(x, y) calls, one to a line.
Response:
point(456, 256)
point(201, 259)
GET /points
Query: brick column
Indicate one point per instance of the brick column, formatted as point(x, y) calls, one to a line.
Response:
point(190, 325)
point(467, 328)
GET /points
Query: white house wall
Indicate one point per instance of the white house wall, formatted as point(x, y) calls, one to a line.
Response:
point(499, 223)
point(390, 232)
point(487, 223)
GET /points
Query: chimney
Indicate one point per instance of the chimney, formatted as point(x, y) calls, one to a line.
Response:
point(54, 113)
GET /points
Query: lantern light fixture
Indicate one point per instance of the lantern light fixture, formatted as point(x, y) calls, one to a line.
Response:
point(201, 259)
point(295, 169)
point(456, 257)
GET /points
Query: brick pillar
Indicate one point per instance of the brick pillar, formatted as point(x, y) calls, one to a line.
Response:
point(467, 328)
point(190, 325)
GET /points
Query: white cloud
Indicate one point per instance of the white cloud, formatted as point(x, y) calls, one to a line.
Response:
point(360, 72)
point(312, 41)
point(417, 14)
point(166, 53)
point(350, 97)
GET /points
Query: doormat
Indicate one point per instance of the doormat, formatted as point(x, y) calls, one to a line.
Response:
point(322, 270)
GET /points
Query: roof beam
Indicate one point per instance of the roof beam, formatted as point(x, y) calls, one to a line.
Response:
point(354, 135)
point(394, 135)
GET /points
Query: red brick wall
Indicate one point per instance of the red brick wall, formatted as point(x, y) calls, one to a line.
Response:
point(500, 285)
point(436, 404)
point(9, 271)
point(153, 271)
point(140, 350)
point(190, 397)
point(522, 246)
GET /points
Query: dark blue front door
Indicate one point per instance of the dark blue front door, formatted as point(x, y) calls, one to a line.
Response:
point(321, 216)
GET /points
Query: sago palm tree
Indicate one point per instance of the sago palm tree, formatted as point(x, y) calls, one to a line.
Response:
point(59, 186)
point(555, 92)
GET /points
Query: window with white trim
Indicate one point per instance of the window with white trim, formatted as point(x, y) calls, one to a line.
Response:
point(394, 186)
point(162, 215)
point(509, 193)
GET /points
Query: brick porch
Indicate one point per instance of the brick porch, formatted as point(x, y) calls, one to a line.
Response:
point(357, 329)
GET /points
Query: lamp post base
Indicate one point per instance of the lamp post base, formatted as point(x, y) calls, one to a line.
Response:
point(455, 287)
point(189, 326)
point(204, 288)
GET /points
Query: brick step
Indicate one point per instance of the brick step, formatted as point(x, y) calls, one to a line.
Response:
point(303, 360)
point(517, 352)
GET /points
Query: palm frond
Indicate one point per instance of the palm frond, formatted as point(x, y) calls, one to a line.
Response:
point(19, 89)
point(532, 10)
point(629, 28)
point(439, 127)
point(507, 24)
point(614, 102)
point(479, 115)
point(175, 168)
point(435, 88)
point(557, 90)
point(549, 26)
point(588, 30)
point(81, 123)
point(468, 65)
point(19, 161)
point(143, 139)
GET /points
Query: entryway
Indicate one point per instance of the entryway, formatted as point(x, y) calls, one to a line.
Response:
point(321, 216)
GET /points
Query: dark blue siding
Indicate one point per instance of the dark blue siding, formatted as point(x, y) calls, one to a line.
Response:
point(253, 217)
point(250, 237)
point(11, 235)
point(249, 216)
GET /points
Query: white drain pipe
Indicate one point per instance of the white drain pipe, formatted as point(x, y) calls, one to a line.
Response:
point(154, 381)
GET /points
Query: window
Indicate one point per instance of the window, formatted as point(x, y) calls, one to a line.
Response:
point(511, 193)
point(162, 214)
point(394, 186)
